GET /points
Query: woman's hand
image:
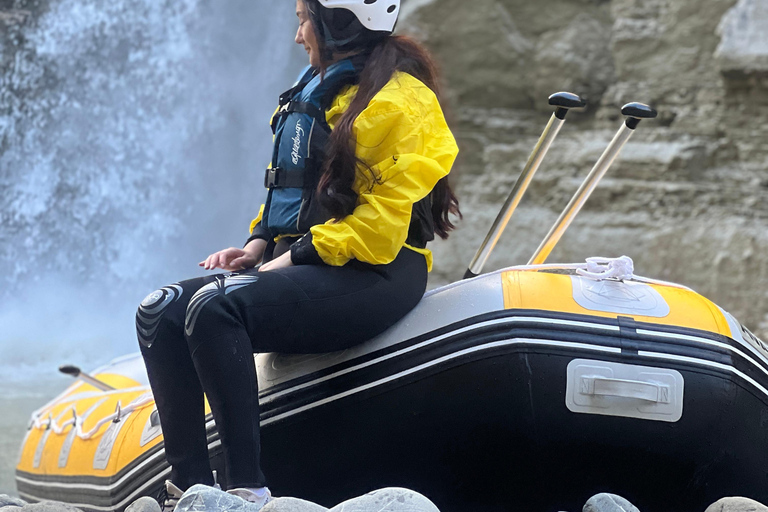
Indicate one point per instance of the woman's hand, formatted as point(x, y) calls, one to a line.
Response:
point(234, 259)
point(282, 261)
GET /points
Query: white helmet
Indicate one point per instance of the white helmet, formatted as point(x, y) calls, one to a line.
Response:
point(375, 15)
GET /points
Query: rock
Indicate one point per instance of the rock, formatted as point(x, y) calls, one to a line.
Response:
point(685, 197)
point(737, 505)
point(50, 506)
point(744, 38)
point(605, 502)
point(576, 57)
point(391, 499)
point(8, 501)
point(292, 505)
point(208, 499)
point(144, 504)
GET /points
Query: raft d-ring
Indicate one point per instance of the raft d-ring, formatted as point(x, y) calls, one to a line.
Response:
point(74, 418)
point(50, 421)
point(118, 413)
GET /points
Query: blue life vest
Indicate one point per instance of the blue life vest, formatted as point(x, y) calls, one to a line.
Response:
point(301, 136)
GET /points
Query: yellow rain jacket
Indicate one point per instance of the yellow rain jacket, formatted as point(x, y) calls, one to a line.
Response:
point(402, 135)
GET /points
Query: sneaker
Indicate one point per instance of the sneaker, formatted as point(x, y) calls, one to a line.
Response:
point(260, 499)
point(169, 497)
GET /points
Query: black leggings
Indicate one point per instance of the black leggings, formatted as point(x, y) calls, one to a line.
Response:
point(200, 335)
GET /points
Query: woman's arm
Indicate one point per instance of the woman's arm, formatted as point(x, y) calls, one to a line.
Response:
point(234, 259)
point(404, 137)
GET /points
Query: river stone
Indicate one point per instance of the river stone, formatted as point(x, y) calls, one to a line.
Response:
point(202, 498)
point(144, 504)
point(605, 502)
point(7, 501)
point(737, 505)
point(292, 505)
point(50, 506)
point(391, 499)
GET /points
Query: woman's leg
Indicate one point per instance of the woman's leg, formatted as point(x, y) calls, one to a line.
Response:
point(303, 309)
point(174, 381)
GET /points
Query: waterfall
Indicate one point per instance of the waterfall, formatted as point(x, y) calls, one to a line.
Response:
point(133, 138)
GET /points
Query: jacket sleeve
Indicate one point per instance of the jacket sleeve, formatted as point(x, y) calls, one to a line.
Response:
point(258, 232)
point(403, 136)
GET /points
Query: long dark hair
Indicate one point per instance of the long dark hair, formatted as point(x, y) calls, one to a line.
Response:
point(388, 55)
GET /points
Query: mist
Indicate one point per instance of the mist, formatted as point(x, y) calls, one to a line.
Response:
point(133, 138)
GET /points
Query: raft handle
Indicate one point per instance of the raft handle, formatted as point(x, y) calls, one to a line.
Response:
point(74, 371)
point(622, 388)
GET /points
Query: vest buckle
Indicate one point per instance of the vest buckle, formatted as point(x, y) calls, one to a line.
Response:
point(271, 177)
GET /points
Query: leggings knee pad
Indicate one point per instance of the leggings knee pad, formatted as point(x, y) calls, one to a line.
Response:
point(221, 287)
point(151, 311)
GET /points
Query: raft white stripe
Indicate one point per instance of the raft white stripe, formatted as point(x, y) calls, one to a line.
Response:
point(438, 361)
point(165, 473)
point(488, 346)
point(704, 362)
point(100, 487)
point(704, 341)
point(153, 458)
point(134, 495)
point(488, 323)
point(434, 362)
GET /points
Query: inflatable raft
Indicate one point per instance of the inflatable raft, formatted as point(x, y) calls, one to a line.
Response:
point(530, 388)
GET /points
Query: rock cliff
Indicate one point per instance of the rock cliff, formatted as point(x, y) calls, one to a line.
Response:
point(686, 199)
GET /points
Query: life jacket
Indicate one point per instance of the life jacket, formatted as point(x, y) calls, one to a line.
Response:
point(301, 137)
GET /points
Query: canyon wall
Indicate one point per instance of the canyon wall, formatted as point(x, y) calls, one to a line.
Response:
point(687, 197)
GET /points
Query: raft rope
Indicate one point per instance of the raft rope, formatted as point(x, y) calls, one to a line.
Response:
point(600, 269)
point(120, 411)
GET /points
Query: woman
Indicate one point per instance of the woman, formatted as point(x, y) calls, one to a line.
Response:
point(342, 238)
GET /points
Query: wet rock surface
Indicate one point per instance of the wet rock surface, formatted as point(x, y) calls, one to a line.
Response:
point(144, 504)
point(737, 505)
point(292, 505)
point(391, 499)
point(605, 502)
point(9, 501)
point(43, 506)
point(388, 500)
point(201, 497)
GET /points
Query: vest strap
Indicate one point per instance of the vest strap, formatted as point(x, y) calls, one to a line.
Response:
point(277, 177)
point(306, 108)
point(298, 107)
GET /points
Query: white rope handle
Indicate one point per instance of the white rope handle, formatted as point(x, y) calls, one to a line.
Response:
point(599, 269)
point(141, 402)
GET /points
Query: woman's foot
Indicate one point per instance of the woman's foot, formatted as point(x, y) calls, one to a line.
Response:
point(169, 497)
point(260, 496)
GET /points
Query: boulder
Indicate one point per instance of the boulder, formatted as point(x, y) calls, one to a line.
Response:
point(391, 499)
point(737, 505)
point(292, 505)
point(50, 506)
point(605, 502)
point(9, 501)
point(144, 504)
point(209, 499)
